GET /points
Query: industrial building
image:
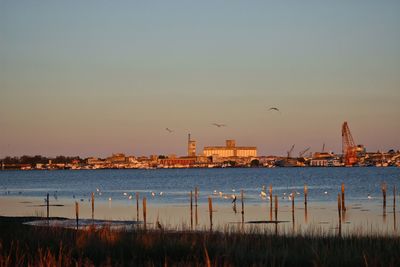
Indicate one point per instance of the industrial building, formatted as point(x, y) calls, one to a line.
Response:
point(230, 150)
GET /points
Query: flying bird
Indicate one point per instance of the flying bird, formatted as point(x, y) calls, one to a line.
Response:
point(169, 130)
point(219, 125)
point(274, 108)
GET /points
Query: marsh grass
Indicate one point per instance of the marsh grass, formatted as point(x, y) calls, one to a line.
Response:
point(23, 245)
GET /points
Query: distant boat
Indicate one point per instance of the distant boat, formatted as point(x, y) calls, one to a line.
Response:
point(287, 162)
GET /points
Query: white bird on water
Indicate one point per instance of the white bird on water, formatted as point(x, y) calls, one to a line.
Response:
point(125, 194)
point(369, 196)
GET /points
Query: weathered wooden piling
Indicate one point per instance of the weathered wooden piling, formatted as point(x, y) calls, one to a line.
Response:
point(210, 211)
point(305, 203)
point(293, 223)
point(196, 195)
point(77, 214)
point(137, 206)
point(340, 214)
point(191, 209)
point(92, 205)
point(144, 212)
point(293, 196)
point(242, 200)
point(384, 188)
point(270, 194)
point(343, 204)
point(276, 215)
point(305, 215)
point(276, 208)
point(48, 206)
point(305, 195)
point(394, 198)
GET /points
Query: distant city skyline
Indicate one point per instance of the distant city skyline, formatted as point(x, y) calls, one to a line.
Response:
point(94, 78)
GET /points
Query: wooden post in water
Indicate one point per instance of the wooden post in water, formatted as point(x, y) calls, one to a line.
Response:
point(48, 208)
point(384, 194)
point(394, 198)
point(210, 211)
point(191, 209)
point(92, 205)
point(293, 196)
point(137, 206)
point(394, 209)
point(343, 204)
point(144, 212)
point(305, 195)
point(196, 194)
point(77, 214)
point(340, 214)
point(270, 202)
point(276, 208)
point(276, 215)
point(305, 202)
point(242, 200)
point(270, 194)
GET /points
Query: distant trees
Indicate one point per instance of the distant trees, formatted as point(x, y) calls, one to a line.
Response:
point(33, 160)
point(255, 163)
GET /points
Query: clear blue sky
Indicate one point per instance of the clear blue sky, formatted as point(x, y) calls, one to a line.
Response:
point(96, 77)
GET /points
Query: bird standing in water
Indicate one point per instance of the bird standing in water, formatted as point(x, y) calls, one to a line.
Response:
point(234, 198)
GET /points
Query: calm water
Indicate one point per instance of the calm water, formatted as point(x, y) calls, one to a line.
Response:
point(175, 184)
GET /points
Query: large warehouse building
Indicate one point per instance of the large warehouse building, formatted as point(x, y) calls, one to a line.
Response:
point(230, 150)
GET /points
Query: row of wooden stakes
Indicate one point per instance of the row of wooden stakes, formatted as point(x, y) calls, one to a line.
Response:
point(341, 205)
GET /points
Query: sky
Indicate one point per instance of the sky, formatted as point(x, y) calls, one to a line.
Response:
point(91, 78)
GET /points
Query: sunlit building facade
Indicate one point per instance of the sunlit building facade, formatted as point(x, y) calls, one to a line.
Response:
point(230, 150)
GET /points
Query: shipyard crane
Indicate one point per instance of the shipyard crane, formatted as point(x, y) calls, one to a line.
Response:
point(349, 149)
point(289, 153)
point(303, 152)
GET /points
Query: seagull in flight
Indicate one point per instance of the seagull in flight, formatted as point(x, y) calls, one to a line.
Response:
point(274, 108)
point(219, 125)
point(169, 130)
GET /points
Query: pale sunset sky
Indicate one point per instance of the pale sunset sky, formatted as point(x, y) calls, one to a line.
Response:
point(90, 78)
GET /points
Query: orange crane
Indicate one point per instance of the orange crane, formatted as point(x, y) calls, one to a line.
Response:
point(349, 149)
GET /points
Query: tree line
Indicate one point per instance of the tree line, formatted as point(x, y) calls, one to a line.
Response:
point(39, 159)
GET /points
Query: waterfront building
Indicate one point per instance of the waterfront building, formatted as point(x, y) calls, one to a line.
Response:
point(184, 162)
point(324, 159)
point(230, 150)
point(117, 158)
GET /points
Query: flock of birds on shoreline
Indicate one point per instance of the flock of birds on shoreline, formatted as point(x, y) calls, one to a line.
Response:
point(263, 195)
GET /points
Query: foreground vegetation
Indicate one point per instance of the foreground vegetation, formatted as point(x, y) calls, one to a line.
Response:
point(22, 245)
